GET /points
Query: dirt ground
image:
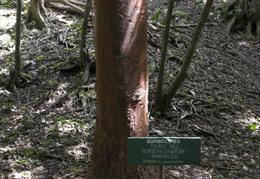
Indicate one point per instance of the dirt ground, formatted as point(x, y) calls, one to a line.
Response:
point(46, 133)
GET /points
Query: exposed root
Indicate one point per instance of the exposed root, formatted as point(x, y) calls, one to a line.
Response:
point(37, 7)
point(73, 5)
point(16, 80)
point(247, 17)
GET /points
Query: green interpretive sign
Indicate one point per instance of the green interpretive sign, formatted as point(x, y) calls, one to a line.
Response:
point(156, 151)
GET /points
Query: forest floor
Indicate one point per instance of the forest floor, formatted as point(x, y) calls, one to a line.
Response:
point(46, 133)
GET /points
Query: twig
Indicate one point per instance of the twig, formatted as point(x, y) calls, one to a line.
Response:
point(186, 114)
point(206, 131)
point(29, 94)
point(156, 25)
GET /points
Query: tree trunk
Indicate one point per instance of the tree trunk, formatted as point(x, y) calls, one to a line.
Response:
point(159, 88)
point(16, 72)
point(170, 92)
point(34, 14)
point(83, 51)
point(122, 87)
point(247, 17)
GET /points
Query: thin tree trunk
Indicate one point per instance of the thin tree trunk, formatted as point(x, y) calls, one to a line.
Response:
point(16, 72)
point(122, 87)
point(159, 93)
point(18, 38)
point(187, 59)
point(83, 52)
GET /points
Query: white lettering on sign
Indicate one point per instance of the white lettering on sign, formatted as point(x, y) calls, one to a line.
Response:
point(165, 156)
point(152, 151)
point(149, 161)
point(163, 141)
point(163, 149)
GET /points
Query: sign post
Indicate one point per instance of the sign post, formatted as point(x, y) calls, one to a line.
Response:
point(161, 151)
point(162, 175)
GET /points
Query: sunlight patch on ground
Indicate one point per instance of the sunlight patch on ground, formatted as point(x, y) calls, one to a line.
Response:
point(4, 92)
point(201, 174)
point(7, 46)
point(7, 22)
point(24, 174)
point(58, 94)
point(251, 123)
point(3, 70)
point(76, 151)
point(65, 128)
point(244, 43)
point(6, 149)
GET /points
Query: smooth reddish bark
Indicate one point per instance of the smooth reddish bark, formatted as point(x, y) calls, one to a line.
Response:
point(122, 86)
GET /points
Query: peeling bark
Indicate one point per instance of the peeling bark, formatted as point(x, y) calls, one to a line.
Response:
point(122, 87)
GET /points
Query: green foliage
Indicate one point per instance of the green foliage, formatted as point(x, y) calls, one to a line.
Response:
point(211, 100)
point(57, 65)
point(12, 34)
point(6, 119)
point(76, 170)
point(158, 114)
point(252, 127)
point(75, 38)
point(219, 177)
point(7, 4)
point(28, 75)
point(46, 143)
point(226, 116)
point(26, 122)
point(80, 74)
point(27, 152)
point(26, 163)
point(51, 82)
point(200, 3)
point(183, 94)
point(225, 12)
point(6, 104)
point(158, 17)
point(40, 58)
point(32, 24)
point(180, 16)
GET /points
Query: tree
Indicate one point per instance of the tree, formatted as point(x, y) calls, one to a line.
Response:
point(122, 87)
point(36, 8)
point(84, 61)
point(247, 16)
point(159, 88)
point(34, 14)
point(182, 74)
point(15, 73)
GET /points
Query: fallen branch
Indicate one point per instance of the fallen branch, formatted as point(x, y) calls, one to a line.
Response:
point(155, 25)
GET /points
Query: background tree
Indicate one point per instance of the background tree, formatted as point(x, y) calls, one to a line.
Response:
point(122, 87)
point(247, 16)
point(170, 92)
point(159, 91)
point(34, 14)
point(15, 73)
point(84, 62)
point(37, 8)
